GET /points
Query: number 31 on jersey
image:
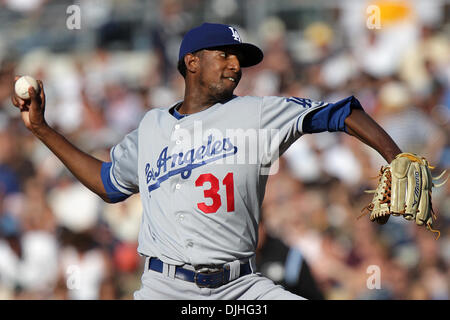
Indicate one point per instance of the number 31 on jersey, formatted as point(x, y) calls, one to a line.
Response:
point(212, 192)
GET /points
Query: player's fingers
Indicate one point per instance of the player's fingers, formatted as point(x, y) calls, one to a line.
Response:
point(24, 109)
point(16, 101)
point(33, 97)
point(41, 91)
point(32, 93)
point(35, 101)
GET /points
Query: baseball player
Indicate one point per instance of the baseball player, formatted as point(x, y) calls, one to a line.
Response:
point(200, 183)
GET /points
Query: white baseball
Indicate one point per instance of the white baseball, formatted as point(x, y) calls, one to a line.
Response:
point(22, 85)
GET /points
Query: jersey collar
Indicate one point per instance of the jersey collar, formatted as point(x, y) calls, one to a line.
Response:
point(174, 109)
point(174, 112)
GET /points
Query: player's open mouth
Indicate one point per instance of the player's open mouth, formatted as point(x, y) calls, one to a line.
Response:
point(234, 78)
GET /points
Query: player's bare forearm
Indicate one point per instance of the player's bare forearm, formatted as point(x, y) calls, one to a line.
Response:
point(83, 166)
point(360, 125)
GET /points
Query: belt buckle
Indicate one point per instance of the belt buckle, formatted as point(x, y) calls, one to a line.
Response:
point(209, 285)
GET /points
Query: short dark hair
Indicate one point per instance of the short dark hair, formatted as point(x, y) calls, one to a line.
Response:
point(182, 68)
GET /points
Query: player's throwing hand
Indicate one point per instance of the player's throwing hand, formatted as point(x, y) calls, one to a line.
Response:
point(32, 110)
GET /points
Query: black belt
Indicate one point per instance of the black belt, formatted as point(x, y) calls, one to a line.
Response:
point(208, 279)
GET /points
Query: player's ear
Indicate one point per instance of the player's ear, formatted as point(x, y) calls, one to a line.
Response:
point(191, 61)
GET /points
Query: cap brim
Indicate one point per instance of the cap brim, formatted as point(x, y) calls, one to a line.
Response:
point(251, 54)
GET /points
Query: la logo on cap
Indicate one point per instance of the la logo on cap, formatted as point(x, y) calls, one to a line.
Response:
point(235, 34)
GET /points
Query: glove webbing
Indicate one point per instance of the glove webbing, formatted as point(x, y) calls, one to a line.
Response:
point(369, 207)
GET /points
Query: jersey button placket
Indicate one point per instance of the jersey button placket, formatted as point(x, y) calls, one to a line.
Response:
point(175, 128)
point(189, 244)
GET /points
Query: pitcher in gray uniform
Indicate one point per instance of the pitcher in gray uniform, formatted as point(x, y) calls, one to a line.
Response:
point(201, 167)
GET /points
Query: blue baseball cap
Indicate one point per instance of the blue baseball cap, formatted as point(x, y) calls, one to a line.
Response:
point(210, 35)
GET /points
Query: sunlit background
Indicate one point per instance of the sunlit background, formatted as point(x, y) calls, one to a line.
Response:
point(60, 241)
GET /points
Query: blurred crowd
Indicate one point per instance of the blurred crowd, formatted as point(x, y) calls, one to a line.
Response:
point(60, 241)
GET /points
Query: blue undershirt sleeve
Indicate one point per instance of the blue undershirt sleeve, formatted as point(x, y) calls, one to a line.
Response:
point(112, 192)
point(331, 117)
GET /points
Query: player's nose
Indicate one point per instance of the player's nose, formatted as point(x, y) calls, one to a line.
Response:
point(233, 63)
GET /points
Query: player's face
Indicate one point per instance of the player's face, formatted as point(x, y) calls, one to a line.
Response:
point(220, 72)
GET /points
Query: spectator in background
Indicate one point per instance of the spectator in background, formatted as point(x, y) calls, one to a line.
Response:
point(285, 266)
point(10, 254)
point(85, 268)
point(402, 79)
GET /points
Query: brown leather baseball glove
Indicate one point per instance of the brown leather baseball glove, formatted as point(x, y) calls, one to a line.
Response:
point(405, 188)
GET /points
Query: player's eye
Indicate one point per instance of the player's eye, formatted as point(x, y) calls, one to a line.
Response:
point(223, 54)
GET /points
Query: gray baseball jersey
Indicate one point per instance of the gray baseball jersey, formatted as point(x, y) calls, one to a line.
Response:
point(202, 177)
